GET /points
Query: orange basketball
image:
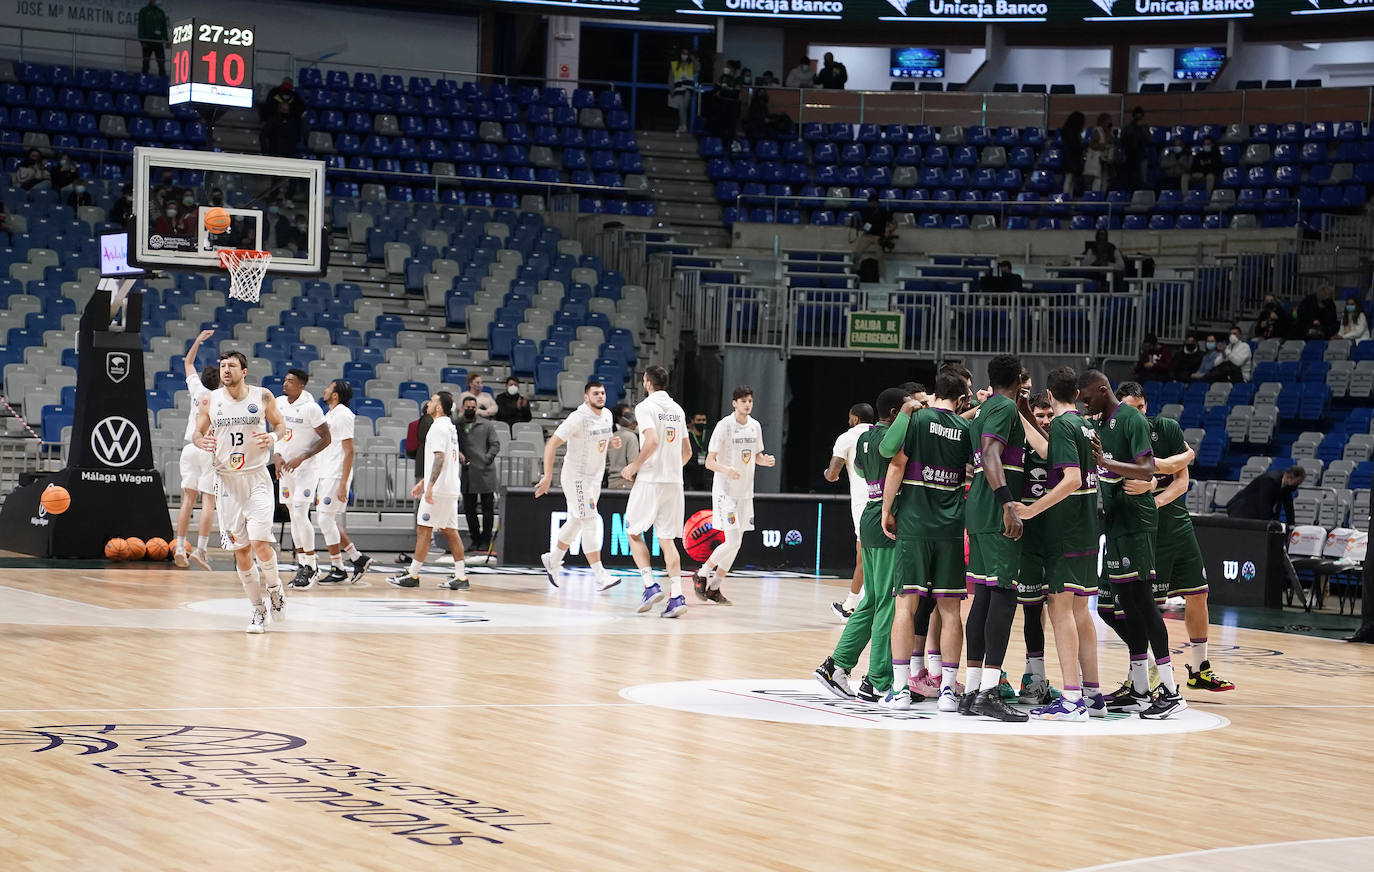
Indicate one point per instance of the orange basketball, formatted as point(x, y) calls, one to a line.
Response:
point(217, 220)
point(137, 550)
point(56, 499)
point(157, 549)
point(116, 549)
point(179, 543)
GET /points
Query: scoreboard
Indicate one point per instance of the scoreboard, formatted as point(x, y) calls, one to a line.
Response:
point(212, 64)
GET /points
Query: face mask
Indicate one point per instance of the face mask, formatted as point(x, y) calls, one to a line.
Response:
point(1235, 339)
point(272, 210)
point(1178, 149)
point(1350, 308)
point(81, 189)
point(512, 389)
point(685, 58)
point(171, 213)
point(1206, 148)
point(470, 414)
point(1211, 346)
point(188, 201)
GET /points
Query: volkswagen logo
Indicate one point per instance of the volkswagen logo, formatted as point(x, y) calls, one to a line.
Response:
point(116, 441)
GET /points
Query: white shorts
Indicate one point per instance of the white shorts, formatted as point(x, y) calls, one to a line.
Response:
point(582, 495)
point(327, 496)
point(197, 469)
point(857, 510)
point(442, 514)
point(728, 513)
point(298, 486)
point(656, 504)
point(245, 506)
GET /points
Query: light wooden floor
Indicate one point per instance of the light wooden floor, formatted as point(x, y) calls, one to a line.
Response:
point(519, 721)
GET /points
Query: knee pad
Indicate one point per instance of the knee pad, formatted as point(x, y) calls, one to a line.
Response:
point(593, 533)
point(329, 528)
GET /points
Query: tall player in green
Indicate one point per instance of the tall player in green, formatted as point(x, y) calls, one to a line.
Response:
point(926, 520)
point(871, 621)
point(1124, 452)
point(1178, 559)
point(994, 531)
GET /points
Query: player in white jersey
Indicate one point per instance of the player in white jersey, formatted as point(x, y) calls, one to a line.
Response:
point(735, 450)
point(587, 433)
point(197, 471)
point(656, 489)
point(439, 492)
point(304, 438)
point(842, 458)
point(335, 468)
point(232, 427)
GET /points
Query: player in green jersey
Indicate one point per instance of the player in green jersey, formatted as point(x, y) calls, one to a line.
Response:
point(871, 620)
point(1069, 510)
point(1178, 559)
point(994, 531)
point(926, 521)
point(1123, 451)
point(1035, 555)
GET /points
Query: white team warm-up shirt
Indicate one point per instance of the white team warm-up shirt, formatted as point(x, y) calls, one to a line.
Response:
point(442, 438)
point(330, 460)
point(587, 434)
point(301, 417)
point(234, 423)
point(660, 413)
point(198, 393)
point(845, 447)
point(737, 446)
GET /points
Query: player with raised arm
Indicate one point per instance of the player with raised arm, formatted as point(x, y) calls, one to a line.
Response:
point(842, 459)
point(439, 492)
point(305, 436)
point(656, 490)
point(197, 466)
point(232, 427)
point(336, 477)
point(588, 432)
point(735, 450)
point(1123, 451)
point(1179, 570)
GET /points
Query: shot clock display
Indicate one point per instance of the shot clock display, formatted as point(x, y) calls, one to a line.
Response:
point(212, 63)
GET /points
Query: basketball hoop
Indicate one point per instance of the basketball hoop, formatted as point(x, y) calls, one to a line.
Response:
point(246, 270)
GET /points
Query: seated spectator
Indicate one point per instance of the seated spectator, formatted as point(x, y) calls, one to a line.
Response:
point(66, 172)
point(1211, 356)
point(801, 76)
point(1317, 317)
point(512, 407)
point(768, 79)
point(1235, 361)
point(1354, 324)
point(79, 197)
point(1155, 360)
point(1102, 252)
point(31, 172)
point(1175, 164)
point(1273, 321)
point(1205, 166)
point(1187, 359)
point(123, 208)
point(1004, 281)
point(486, 406)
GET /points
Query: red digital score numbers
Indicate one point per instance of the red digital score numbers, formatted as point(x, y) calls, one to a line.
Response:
point(211, 63)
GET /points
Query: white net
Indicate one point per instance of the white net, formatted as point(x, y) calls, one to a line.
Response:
point(246, 270)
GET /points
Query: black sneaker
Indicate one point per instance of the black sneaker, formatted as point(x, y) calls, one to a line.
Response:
point(1164, 705)
point(305, 578)
point(966, 703)
point(1364, 634)
point(841, 612)
point(405, 579)
point(336, 576)
point(361, 565)
point(453, 584)
point(699, 581)
point(715, 596)
point(1131, 702)
point(991, 705)
point(834, 679)
point(867, 693)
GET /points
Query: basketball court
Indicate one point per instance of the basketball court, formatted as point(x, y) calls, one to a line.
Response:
point(521, 726)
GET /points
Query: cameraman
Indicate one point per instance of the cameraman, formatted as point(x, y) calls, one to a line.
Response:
point(876, 225)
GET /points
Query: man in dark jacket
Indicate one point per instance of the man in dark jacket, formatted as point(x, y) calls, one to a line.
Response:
point(1187, 359)
point(513, 407)
point(479, 445)
point(152, 33)
point(1263, 498)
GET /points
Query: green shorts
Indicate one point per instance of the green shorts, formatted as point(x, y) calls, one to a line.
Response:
point(994, 560)
point(1076, 574)
point(1130, 557)
point(1178, 566)
point(929, 567)
point(1035, 564)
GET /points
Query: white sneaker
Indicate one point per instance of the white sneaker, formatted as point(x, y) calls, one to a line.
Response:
point(258, 625)
point(278, 601)
point(179, 558)
point(898, 700)
point(551, 567)
point(606, 581)
point(948, 700)
point(201, 559)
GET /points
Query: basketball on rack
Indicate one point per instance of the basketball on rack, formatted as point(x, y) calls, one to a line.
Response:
point(116, 549)
point(217, 220)
point(699, 537)
point(56, 499)
point(157, 549)
point(137, 550)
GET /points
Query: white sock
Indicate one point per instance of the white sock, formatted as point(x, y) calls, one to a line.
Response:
point(308, 560)
point(415, 568)
point(271, 575)
point(901, 674)
point(916, 662)
point(1072, 695)
point(974, 674)
point(1140, 676)
point(336, 561)
point(990, 679)
point(352, 552)
point(648, 576)
point(933, 662)
point(851, 601)
point(1166, 677)
point(1036, 666)
point(203, 543)
point(251, 585)
point(597, 568)
point(948, 675)
point(558, 552)
point(1197, 655)
point(460, 569)
point(675, 586)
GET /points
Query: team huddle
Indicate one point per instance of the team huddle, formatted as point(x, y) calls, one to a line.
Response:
point(1020, 475)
